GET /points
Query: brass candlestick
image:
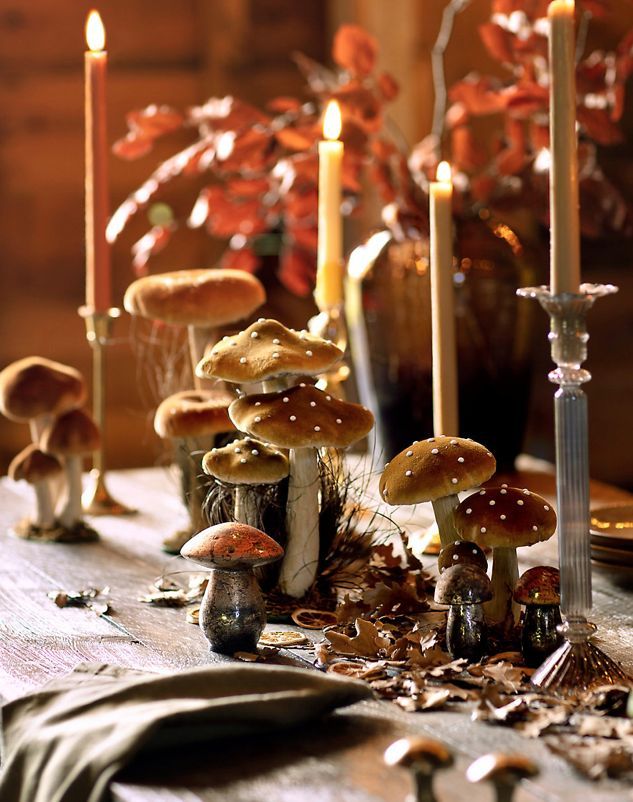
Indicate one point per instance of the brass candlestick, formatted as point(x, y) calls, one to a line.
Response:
point(96, 498)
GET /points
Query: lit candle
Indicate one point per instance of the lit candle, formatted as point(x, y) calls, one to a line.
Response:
point(445, 415)
point(98, 290)
point(563, 182)
point(329, 279)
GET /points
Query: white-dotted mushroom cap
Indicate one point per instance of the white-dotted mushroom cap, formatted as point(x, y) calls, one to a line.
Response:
point(246, 462)
point(435, 468)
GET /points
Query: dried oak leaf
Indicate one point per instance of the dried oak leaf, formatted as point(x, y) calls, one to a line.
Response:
point(509, 677)
point(593, 757)
point(493, 706)
point(355, 50)
point(367, 642)
point(540, 720)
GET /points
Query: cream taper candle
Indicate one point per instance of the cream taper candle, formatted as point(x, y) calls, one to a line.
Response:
point(329, 278)
point(445, 405)
point(563, 182)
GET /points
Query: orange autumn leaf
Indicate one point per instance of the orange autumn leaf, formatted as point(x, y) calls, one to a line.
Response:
point(355, 50)
point(367, 642)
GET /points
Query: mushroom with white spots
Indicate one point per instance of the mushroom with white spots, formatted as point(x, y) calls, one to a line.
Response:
point(516, 518)
point(436, 470)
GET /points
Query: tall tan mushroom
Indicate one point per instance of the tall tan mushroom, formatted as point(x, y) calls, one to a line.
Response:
point(71, 436)
point(201, 300)
point(303, 419)
point(436, 470)
point(35, 467)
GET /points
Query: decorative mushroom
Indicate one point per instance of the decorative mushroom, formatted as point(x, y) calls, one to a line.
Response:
point(505, 772)
point(464, 587)
point(436, 470)
point(201, 300)
point(232, 612)
point(504, 518)
point(303, 419)
point(191, 418)
point(539, 590)
point(423, 756)
point(71, 436)
point(462, 552)
point(246, 463)
point(36, 468)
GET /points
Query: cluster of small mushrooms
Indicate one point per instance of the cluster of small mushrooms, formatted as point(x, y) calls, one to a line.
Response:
point(500, 519)
point(49, 397)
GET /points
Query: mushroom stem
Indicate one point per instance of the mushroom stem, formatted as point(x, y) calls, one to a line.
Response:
point(504, 789)
point(45, 514)
point(466, 631)
point(72, 510)
point(199, 337)
point(232, 614)
point(276, 384)
point(443, 509)
point(422, 783)
point(501, 609)
point(299, 566)
point(246, 511)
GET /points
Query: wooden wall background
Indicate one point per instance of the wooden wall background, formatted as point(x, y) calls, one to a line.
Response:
point(181, 53)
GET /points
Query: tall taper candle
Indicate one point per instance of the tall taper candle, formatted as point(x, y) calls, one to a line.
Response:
point(564, 203)
point(329, 278)
point(445, 405)
point(98, 279)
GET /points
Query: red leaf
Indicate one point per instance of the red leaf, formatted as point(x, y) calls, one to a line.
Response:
point(132, 146)
point(251, 149)
point(479, 95)
point(282, 105)
point(299, 138)
point(154, 121)
point(539, 136)
point(306, 236)
point(227, 114)
point(243, 259)
point(456, 115)
point(382, 149)
point(228, 217)
point(497, 41)
point(354, 50)
point(466, 153)
point(149, 244)
point(599, 125)
point(389, 87)
point(526, 99)
point(533, 9)
point(381, 175)
point(361, 105)
point(247, 187)
point(510, 161)
point(482, 187)
point(300, 206)
point(597, 8)
point(297, 271)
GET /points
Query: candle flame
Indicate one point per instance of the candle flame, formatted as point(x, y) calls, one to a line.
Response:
point(95, 32)
point(444, 173)
point(332, 121)
point(561, 7)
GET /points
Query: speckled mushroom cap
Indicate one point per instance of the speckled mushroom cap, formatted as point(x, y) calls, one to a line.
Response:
point(539, 585)
point(72, 434)
point(302, 416)
point(499, 767)
point(194, 413)
point(463, 584)
point(37, 386)
point(461, 552)
point(246, 462)
point(208, 297)
point(34, 466)
point(505, 517)
point(231, 546)
point(413, 751)
point(266, 349)
point(435, 468)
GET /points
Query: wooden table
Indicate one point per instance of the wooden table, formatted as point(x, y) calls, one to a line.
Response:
point(340, 759)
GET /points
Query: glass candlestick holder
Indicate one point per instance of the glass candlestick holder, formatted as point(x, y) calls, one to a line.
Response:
point(330, 325)
point(96, 499)
point(578, 664)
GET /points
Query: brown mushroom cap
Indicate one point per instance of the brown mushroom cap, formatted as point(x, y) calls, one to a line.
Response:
point(424, 753)
point(461, 552)
point(435, 468)
point(505, 517)
point(34, 466)
point(72, 434)
point(302, 416)
point(266, 349)
point(498, 767)
point(193, 413)
point(208, 297)
point(463, 584)
point(37, 386)
point(231, 546)
point(246, 462)
point(539, 585)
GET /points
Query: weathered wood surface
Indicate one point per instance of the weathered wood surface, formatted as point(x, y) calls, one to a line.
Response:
point(340, 759)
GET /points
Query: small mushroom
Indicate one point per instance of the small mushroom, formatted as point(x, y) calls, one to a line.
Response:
point(36, 468)
point(436, 470)
point(462, 552)
point(423, 756)
point(504, 518)
point(246, 464)
point(464, 587)
point(539, 590)
point(505, 772)
point(232, 612)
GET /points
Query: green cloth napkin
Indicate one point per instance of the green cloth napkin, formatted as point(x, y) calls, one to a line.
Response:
point(65, 742)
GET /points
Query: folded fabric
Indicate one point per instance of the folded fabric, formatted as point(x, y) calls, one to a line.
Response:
point(65, 742)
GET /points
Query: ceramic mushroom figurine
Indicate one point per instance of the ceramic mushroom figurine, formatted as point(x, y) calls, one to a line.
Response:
point(505, 772)
point(36, 468)
point(465, 588)
point(423, 757)
point(504, 518)
point(539, 590)
point(246, 464)
point(191, 419)
point(436, 470)
point(461, 552)
point(303, 419)
point(232, 612)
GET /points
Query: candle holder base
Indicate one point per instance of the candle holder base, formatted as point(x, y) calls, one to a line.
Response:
point(96, 498)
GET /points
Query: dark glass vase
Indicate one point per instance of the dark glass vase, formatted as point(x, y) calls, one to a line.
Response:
point(493, 335)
